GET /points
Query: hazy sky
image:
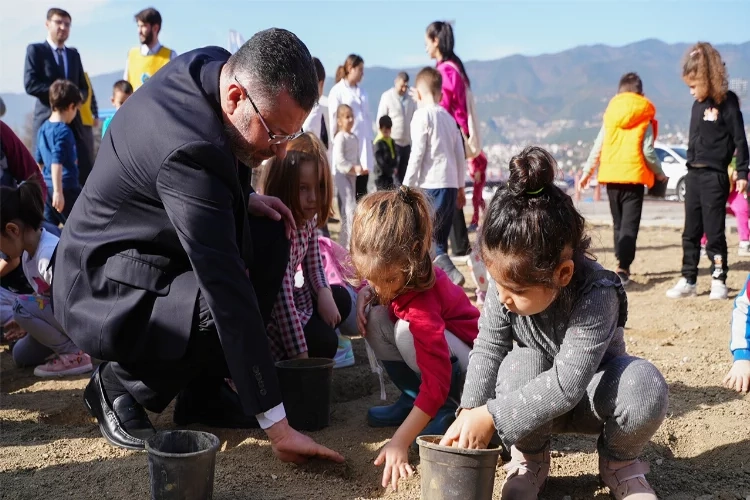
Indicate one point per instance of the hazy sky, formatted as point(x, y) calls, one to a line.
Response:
point(384, 32)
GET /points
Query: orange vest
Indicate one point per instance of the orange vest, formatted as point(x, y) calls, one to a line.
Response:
point(626, 119)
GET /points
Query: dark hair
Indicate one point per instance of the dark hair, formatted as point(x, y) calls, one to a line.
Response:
point(149, 16)
point(54, 11)
point(282, 177)
point(2, 107)
point(22, 204)
point(432, 78)
point(704, 67)
point(403, 76)
point(319, 69)
point(385, 122)
point(63, 93)
point(530, 224)
point(122, 86)
point(631, 82)
point(352, 61)
point(275, 60)
point(394, 228)
point(443, 32)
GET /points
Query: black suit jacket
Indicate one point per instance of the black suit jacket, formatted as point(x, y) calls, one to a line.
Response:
point(40, 72)
point(163, 215)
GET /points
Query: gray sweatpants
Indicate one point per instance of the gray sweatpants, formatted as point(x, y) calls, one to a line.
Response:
point(395, 342)
point(45, 336)
point(625, 403)
point(347, 195)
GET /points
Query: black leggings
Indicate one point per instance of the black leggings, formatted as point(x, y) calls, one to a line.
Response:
point(322, 341)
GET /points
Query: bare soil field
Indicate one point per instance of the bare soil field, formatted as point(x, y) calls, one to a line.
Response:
point(49, 447)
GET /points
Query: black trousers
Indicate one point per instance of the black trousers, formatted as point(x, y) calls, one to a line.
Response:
point(321, 338)
point(361, 186)
point(626, 205)
point(402, 154)
point(706, 194)
point(155, 384)
point(459, 237)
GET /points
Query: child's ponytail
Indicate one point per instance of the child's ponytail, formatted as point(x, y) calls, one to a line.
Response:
point(531, 226)
point(23, 203)
point(704, 68)
point(394, 228)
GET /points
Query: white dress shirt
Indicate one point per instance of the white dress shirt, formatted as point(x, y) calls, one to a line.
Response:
point(401, 110)
point(146, 51)
point(437, 158)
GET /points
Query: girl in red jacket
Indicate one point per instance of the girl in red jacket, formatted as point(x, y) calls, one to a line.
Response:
point(418, 323)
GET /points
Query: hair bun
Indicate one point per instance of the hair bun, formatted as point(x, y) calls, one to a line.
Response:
point(531, 171)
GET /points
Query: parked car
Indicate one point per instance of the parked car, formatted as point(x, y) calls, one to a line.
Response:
point(674, 163)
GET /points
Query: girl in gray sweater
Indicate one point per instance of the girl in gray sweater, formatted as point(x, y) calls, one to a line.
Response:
point(550, 356)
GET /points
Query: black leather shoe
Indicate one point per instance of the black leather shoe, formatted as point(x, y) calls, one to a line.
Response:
point(213, 405)
point(125, 413)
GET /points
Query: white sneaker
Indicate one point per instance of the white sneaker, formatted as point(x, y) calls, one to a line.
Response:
point(744, 249)
point(718, 290)
point(682, 289)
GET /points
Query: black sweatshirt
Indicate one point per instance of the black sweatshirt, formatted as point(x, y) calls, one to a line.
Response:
point(715, 133)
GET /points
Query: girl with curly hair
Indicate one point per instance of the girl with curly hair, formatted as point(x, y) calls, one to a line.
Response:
point(716, 132)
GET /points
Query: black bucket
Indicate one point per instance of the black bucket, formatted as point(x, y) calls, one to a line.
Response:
point(456, 473)
point(306, 390)
point(181, 465)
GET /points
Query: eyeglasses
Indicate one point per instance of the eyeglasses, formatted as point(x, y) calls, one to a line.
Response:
point(272, 138)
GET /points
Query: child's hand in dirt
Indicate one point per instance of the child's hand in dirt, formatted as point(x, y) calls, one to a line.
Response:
point(396, 459)
point(327, 308)
point(364, 297)
point(738, 377)
point(12, 331)
point(472, 429)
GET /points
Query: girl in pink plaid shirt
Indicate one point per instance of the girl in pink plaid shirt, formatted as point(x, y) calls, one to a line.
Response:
point(304, 320)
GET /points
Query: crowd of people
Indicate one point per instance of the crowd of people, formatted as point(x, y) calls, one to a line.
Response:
point(189, 280)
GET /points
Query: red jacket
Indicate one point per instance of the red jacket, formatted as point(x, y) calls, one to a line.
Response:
point(443, 307)
point(21, 165)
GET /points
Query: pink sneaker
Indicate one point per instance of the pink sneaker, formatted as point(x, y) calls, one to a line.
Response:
point(60, 365)
point(527, 474)
point(626, 480)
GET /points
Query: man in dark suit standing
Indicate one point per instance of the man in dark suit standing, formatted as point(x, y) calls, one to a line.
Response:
point(151, 273)
point(49, 61)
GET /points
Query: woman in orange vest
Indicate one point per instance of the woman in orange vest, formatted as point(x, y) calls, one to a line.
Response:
point(624, 153)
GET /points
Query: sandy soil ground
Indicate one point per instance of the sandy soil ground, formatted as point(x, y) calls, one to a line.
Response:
point(50, 449)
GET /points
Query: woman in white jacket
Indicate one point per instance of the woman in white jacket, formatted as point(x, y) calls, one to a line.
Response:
point(347, 91)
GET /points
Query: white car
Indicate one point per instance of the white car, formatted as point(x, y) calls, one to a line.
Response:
point(674, 163)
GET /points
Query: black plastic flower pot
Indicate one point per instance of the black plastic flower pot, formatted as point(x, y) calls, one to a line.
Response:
point(182, 464)
point(455, 473)
point(306, 390)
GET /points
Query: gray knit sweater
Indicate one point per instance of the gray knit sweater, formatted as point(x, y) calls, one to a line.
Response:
point(577, 339)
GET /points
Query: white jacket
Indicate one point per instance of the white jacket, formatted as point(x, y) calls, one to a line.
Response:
point(400, 114)
point(437, 159)
point(355, 98)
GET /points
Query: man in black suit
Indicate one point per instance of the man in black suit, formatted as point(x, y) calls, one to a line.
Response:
point(151, 273)
point(49, 61)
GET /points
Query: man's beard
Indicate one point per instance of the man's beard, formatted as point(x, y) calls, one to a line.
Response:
point(148, 38)
point(241, 148)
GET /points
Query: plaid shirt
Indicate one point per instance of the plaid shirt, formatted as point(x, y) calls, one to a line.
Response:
point(294, 306)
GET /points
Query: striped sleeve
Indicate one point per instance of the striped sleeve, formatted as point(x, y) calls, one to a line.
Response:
point(740, 339)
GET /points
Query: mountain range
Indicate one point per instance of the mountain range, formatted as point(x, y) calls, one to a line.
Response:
point(571, 87)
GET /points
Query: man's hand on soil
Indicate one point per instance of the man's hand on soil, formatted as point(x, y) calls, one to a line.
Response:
point(291, 446)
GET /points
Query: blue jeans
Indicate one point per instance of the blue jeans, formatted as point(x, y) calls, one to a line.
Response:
point(444, 203)
point(53, 216)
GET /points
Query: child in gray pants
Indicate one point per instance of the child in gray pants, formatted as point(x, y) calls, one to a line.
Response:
point(550, 356)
